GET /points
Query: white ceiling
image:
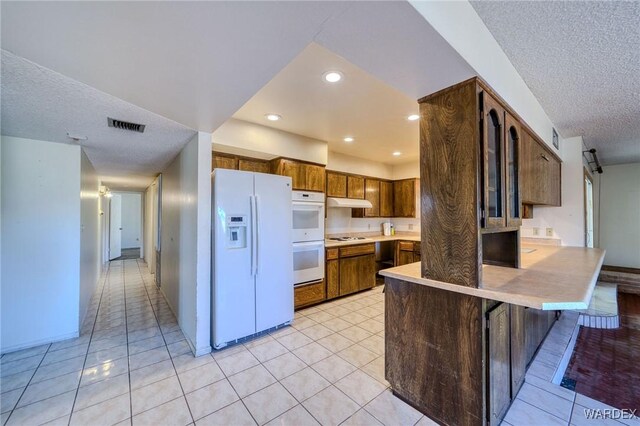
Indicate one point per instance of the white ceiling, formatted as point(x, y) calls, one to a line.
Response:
point(582, 61)
point(38, 103)
point(197, 63)
point(359, 105)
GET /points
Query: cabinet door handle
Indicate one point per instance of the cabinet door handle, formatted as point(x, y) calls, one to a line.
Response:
point(544, 157)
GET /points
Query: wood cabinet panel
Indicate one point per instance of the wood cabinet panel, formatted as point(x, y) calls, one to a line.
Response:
point(405, 245)
point(224, 162)
point(518, 349)
point(386, 199)
point(357, 250)
point(371, 194)
point(315, 178)
point(493, 167)
point(404, 257)
point(336, 185)
point(333, 278)
point(357, 273)
point(250, 165)
point(404, 198)
point(498, 374)
point(541, 173)
point(308, 294)
point(332, 253)
point(512, 171)
point(355, 187)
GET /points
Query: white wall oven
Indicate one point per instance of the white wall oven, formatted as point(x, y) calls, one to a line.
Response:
point(308, 236)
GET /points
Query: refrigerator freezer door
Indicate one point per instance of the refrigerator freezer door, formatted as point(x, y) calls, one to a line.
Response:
point(274, 278)
point(233, 290)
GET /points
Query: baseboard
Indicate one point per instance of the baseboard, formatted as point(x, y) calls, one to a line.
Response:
point(39, 342)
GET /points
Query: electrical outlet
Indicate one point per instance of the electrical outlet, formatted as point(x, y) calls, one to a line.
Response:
point(536, 231)
point(549, 232)
point(411, 227)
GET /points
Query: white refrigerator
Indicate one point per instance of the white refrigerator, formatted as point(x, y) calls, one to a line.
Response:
point(252, 254)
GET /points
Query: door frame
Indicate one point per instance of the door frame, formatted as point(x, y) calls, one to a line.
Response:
point(587, 176)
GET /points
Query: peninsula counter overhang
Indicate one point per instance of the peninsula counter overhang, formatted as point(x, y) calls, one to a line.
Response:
point(550, 278)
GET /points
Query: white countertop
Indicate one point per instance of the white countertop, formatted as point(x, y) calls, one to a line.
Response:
point(373, 239)
point(550, 278)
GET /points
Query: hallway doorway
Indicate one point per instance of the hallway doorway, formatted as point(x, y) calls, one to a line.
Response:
point(125, 226)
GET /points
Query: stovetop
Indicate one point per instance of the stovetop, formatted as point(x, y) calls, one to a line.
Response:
point(348, 238)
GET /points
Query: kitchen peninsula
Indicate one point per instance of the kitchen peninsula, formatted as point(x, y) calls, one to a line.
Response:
point(462, 325)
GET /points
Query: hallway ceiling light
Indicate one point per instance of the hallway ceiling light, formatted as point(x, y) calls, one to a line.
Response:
point(348, 139)
point(413, 117)
point(273, 117)
point(397, 154)
point(332, 76)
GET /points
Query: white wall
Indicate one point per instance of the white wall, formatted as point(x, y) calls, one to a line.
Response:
point(359, 166)
point(90, 233)
point(567, 221)
point(150, 225)
point(186, 240)
point(40, 242)
point(131, 214)
point(241, 137)
point(619, 205)
point(406, 170)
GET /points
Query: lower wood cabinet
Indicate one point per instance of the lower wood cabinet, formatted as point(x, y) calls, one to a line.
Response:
point(537, 324)
point(499, 361)
point(308, 294)
point(357, 273)
point(332, 277)
point(407, 252)
point(518, 354)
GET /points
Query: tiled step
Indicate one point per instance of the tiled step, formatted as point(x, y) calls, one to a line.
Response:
point(603, 308)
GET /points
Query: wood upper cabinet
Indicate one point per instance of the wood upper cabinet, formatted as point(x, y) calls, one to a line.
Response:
point(386, 199)
point(251, 165)
point(355, 187)
point(405, 198)
point(493, 164)
point(304, 176)
point(499, 362)
point(336, 185)
point(223, 162)
point(512, 170)
point(371, 194)
point(540, 173)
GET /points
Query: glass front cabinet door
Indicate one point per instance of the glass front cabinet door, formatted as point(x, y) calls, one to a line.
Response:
point(512, 165)
point(493, 173)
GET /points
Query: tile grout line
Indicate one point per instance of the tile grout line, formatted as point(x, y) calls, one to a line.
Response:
point(126, 333)
point(95, 320)
point(144, 284)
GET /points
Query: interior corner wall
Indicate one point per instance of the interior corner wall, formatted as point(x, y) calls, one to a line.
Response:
point(40, 242)
point(567, 220)
point(150, 215)
point(89, 233)
point(186, 240)
point(619, 218)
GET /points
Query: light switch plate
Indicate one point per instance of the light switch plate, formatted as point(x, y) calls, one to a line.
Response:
point(536, 231)
point(549, 232)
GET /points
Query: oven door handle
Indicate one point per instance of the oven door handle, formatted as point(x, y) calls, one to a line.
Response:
point(308, 244)
point(307, 204)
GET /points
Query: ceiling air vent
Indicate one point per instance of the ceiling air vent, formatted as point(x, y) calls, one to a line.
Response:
point(125, 125)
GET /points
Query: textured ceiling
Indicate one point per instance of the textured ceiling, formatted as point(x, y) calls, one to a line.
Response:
point(360, 106)
point(38, 103)
point(582, 61)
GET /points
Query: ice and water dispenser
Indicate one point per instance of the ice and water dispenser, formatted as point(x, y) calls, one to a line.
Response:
point(237, 232)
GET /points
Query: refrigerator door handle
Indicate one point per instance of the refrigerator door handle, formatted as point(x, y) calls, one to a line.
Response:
point(254, 245)
point(257, 203)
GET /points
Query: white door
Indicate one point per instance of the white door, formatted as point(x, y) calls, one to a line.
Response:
point(115, 227)
point(274, 278)
point(233, 272)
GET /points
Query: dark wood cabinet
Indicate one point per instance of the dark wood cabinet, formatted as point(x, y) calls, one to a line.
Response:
point(386, 199)
point(499, 371)
point(357, 273)
point(406, 252)
point(536, 324)
point(332, 276)
point(540, 173)
point(371, 194)
point(518, 349)
point(512, 171)
point(251, 165)
point(224, 162)
point(405, 194)
point(304, 176)
point(355, 187)
point(493, 170)
point(336, 184)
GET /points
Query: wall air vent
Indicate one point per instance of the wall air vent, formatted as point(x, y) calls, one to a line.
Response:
point(125, 125)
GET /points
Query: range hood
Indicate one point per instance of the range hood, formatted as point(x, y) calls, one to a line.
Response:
point(350, 203)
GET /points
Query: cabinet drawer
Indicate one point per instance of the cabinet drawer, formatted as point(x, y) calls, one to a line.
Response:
point(405, 245)
point(309, 293)
point(357, 250)
point(332, 253)
point(416, 247)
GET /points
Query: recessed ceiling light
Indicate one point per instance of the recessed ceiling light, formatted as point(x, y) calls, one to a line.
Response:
point(397, 153)
point(332, 76)
point(413, 117)
point(273, 117)
point(348, 139)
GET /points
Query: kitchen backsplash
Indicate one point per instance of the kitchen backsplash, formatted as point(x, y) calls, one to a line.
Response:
point(339, 221)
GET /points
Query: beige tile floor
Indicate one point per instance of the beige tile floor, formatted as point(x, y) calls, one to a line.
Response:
point(132, 365)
